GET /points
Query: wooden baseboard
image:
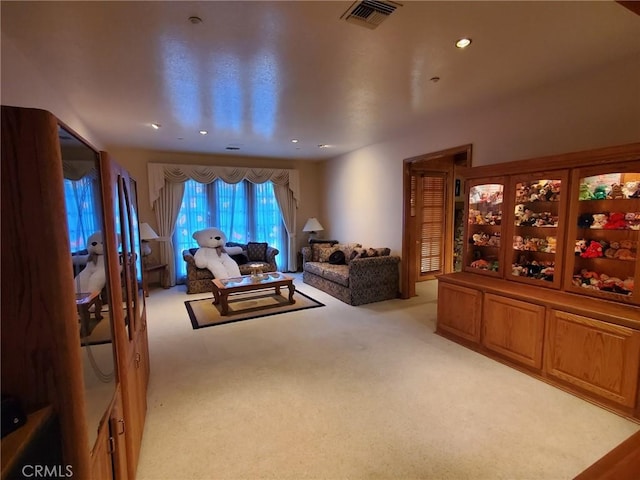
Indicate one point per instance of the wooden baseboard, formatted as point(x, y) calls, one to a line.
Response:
point(621, 463)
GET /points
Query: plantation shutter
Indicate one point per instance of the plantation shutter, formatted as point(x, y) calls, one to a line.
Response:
point(432, 223)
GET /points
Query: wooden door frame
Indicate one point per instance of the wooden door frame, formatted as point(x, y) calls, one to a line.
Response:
point(441, 161)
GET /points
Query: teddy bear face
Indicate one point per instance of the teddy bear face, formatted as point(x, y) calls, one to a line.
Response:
point(210, 238)
point(95, 244)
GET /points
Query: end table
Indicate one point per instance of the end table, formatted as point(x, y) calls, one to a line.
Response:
point(161, 267)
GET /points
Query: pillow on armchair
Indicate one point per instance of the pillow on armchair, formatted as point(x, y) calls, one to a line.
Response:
point(257, 251)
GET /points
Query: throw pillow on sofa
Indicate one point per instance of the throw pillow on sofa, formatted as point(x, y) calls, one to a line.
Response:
point(337, 258)
point(257, 251)
point(325, 253)
point(315, 250)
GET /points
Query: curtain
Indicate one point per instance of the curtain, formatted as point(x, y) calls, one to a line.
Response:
point(288, 207)
point(163, 177)
point(167, 207)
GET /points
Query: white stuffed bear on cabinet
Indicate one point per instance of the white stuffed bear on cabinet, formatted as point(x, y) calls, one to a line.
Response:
point(93, 277)
point(213, 255)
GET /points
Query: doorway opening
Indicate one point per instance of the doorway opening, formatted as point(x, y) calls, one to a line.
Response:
point(432, 216)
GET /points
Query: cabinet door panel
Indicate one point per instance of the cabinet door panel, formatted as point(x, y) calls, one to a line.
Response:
point(596, 356)
point(459, 311)
point(118, 431)
point(514, 329)
point(483, 248)
point(101, 466)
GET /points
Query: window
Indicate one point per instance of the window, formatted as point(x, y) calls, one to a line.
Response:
point(431, 223)
point(244, 211)
point(79, 199)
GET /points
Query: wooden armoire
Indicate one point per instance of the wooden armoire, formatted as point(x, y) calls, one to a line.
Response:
point(76, 361)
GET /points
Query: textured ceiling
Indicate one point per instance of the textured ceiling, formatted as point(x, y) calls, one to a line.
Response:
point(258, 74)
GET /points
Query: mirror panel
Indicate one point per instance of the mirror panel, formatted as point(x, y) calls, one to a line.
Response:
point(127, 258)
point(137, 246)
point(85, 216)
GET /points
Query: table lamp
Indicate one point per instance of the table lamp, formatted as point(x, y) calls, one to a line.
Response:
point(147, 233)
point(312, 226)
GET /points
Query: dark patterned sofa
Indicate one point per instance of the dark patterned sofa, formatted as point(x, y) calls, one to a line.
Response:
point(368, 274)
point(199, 279)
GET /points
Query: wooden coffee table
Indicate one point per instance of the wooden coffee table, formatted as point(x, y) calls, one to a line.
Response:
point(224, 287)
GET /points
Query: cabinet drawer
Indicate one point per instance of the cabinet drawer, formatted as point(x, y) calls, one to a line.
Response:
point(459, 311)
point(596, 356)
point(514, 329)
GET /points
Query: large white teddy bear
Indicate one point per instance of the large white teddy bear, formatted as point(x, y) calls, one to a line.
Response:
point(93, 277)
point(213, 255)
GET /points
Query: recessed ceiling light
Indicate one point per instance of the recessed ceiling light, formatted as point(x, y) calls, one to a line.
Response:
point(463, 43)
point(232, 148)
point(155, 126)
point(195, 19)
point(323, 145)
point(203, 132)
point(294, 141)
point(435, 79)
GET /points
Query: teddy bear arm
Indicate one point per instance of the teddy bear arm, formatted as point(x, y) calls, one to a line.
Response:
point(231, 267)
point(201, 258)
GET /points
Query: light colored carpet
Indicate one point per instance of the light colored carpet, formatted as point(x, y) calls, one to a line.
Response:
point(343, 392)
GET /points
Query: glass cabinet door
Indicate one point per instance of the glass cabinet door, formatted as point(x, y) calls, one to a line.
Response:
point(537, 228)
point(89, 258)
point(483, 249)
point(605, 231)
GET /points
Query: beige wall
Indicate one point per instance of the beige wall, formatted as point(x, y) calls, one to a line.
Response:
point(363, 189)
point(28, 87)
point(136, 160)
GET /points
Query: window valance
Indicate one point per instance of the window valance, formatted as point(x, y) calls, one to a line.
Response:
point(161, 172)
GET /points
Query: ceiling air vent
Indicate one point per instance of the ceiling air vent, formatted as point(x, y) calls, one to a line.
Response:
point(369, 13)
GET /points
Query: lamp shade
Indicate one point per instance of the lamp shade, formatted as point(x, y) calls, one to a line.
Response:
point(312, 225)
point(147, 233)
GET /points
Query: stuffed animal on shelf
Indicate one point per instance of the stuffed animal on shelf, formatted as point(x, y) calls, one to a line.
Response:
point(481, 264)
point(633, 220)
point(93, 276)
point(616, 221)
point(585, 220)
point(631, 189)
point(585, 192)
point(599, 220)
point(624, 254)
point(551, 245)
point(518, 242)
point(616, 192)
point(600, 192)
point(213, 255)
point(581, 246)
point(594, 250)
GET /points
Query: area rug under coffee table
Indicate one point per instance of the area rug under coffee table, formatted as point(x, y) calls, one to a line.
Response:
point(203, 313)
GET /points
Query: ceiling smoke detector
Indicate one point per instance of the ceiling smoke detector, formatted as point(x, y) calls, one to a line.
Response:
point(369, 13)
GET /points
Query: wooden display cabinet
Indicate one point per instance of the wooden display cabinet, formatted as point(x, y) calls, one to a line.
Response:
point(604, 233)
point(484, 241)
point(536, 228)
point(570, 328)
